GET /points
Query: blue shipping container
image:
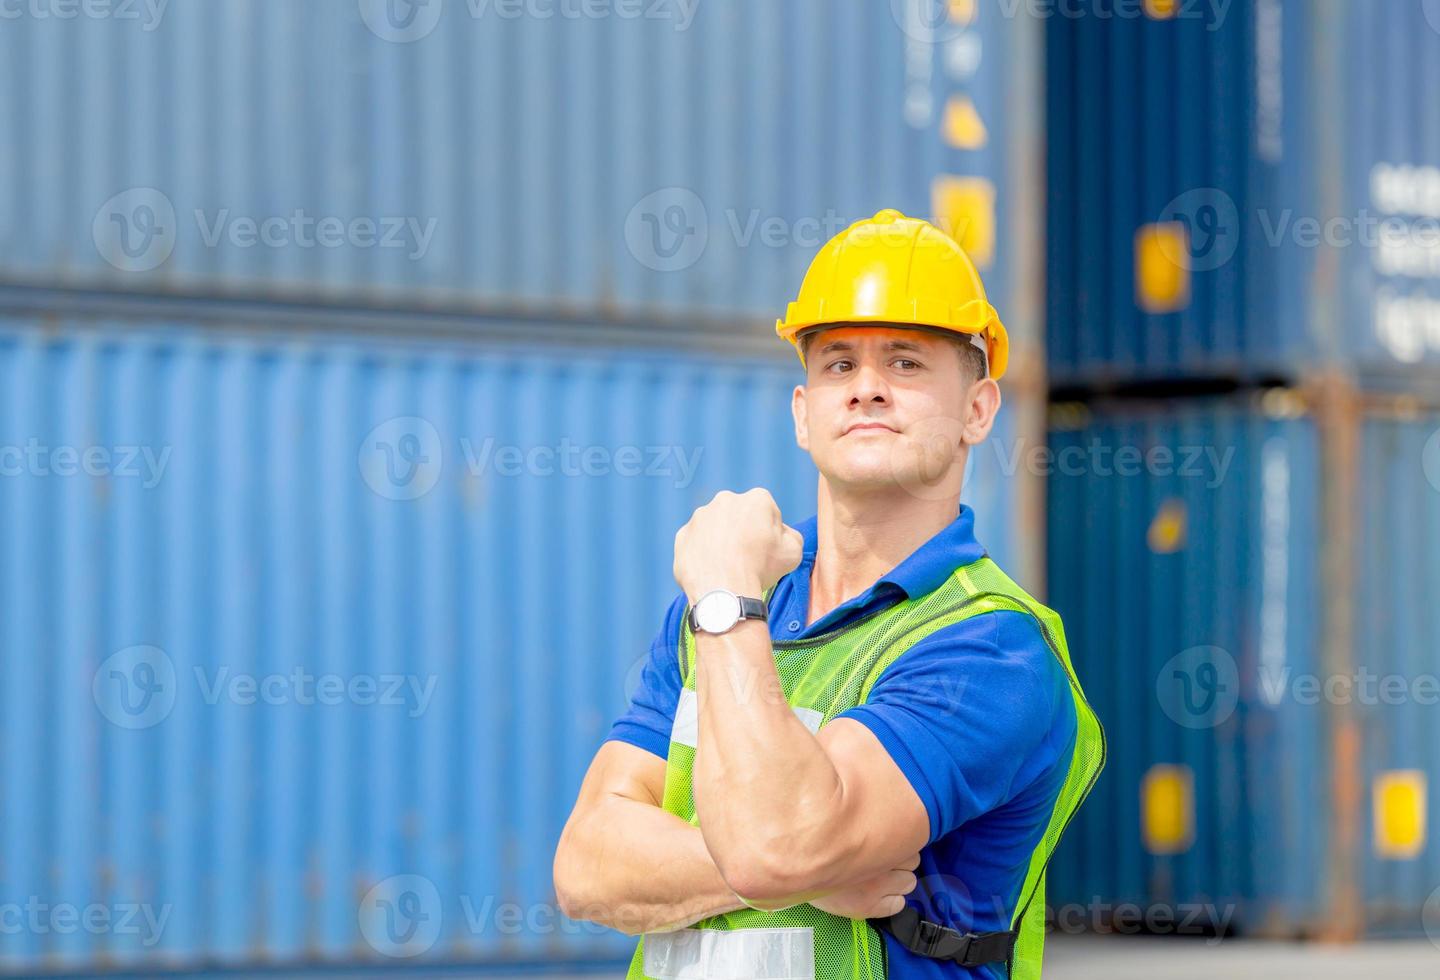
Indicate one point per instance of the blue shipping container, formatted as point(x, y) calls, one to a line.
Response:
point(1248, 190)
point(1263, 774)
point(1395, 655)
point(621, 159)
point(303, 631)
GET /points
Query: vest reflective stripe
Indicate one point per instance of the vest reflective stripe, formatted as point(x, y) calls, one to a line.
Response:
point(744, 954)
point(686, 730)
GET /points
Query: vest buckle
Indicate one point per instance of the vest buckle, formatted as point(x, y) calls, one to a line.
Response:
point(929, 935)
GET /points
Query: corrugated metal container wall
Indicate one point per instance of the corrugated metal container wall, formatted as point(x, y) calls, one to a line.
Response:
point(1385, 57)
point(1158, 566)
point(289, 522)
point(655, 158)
point(215, 536)
point(1397, 663)
point(1217, 183)
point(993, 474)
point(1194, 609)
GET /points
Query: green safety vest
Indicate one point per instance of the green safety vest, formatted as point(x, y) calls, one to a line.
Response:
point(821, 677)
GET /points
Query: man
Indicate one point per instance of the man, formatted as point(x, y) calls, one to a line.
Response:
point(855, 743)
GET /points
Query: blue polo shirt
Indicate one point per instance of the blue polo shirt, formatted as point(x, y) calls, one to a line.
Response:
point(978, 716)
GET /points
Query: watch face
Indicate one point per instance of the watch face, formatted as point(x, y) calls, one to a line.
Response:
point(717, 611)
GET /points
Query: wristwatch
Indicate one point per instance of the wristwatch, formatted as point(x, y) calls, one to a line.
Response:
point(720, 609)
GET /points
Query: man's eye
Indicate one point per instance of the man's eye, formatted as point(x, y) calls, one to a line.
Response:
point(904, 363)
point(834, 364)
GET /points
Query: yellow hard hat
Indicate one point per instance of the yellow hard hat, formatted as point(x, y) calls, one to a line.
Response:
point(891, 269)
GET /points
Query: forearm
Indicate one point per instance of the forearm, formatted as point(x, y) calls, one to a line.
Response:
point(636, 868)
point(782, 819)
point(765, 790)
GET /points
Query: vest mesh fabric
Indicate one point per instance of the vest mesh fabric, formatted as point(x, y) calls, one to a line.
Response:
point(836, 671)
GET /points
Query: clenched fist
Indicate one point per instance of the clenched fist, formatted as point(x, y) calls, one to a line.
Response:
point(738, 542)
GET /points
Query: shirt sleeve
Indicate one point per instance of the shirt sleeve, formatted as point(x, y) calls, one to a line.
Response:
point(973, 714)
point(648, 720)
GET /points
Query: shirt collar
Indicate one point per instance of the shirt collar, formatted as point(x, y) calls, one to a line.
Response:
point(929, 565)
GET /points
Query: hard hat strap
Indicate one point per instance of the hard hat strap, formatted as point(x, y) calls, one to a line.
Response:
point(978, 340)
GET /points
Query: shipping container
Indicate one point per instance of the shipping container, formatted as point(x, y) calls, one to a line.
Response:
point(1398, 709)
point(306, 629)
point(1247, 190)
point(1242, 610)
point(627, 160)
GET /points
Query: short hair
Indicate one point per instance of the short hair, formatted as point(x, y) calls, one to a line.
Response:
point(972, 359)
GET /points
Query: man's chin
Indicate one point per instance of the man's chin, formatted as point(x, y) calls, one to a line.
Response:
point(859, 475)
point(868, 477)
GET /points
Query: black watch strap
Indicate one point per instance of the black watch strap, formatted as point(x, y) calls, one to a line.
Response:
point(753, 609)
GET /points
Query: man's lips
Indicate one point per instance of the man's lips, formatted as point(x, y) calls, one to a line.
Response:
point(861, 426)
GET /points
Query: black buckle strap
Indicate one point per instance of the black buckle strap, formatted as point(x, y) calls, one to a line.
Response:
point(934, 941)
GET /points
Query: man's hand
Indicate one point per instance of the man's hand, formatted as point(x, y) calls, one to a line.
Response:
point(873, 898)
point(736, 542)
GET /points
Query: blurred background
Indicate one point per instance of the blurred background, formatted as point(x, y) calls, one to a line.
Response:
point(360, 358)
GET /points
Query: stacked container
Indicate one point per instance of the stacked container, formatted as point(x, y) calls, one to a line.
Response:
point(1250, 194)
point(337, 349)
point(1244, 264)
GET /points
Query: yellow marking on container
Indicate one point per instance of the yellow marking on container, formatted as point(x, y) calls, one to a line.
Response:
point(1162, 269)
point(1167, 809)
point(1161, 9)
point(962, 11)
point(962, 126)
point(1167, 529)
point(964, 207)
point(1398, 799)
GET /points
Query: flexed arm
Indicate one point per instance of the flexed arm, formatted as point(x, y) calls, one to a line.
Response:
point(628, 864)
point(788, 816)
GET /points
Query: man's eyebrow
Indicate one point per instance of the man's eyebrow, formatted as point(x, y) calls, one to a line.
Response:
point(904, 345)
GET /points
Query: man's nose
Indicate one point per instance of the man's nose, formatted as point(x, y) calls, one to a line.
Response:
point(868, 385)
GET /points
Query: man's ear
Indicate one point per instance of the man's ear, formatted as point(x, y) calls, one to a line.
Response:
point(984, 405)
point(801, 413)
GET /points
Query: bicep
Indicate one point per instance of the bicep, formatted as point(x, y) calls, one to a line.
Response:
point(882, 821)
point(620, 769)
point(966, 716)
